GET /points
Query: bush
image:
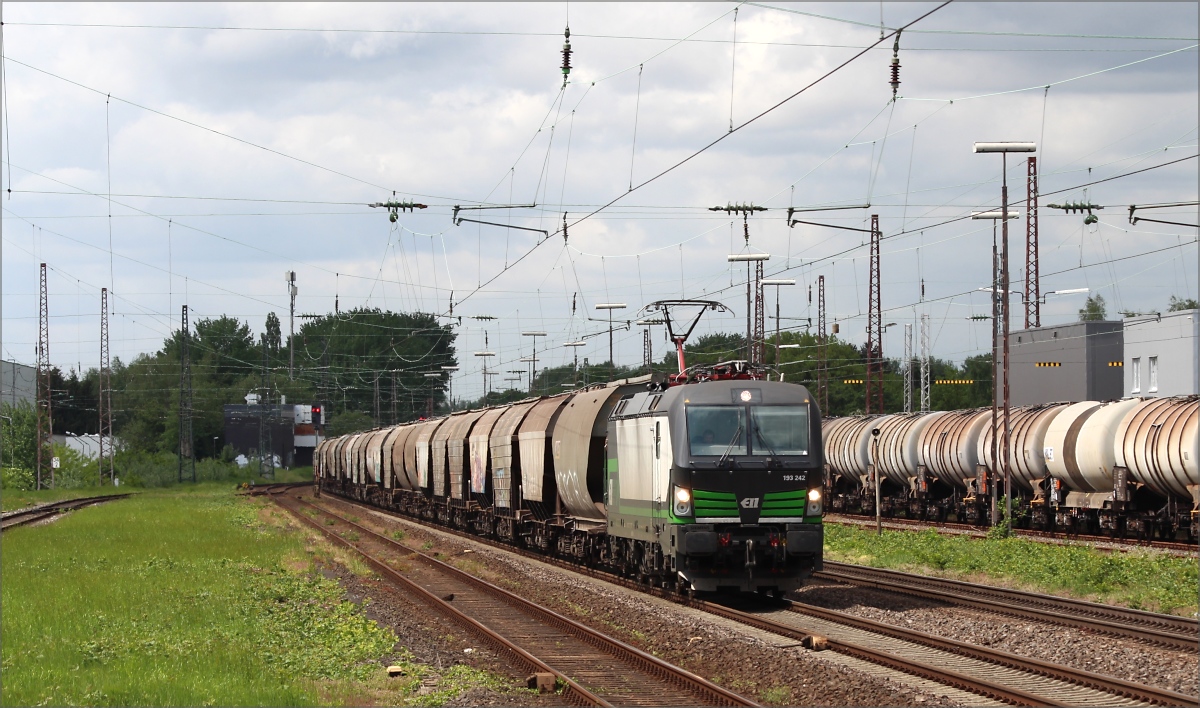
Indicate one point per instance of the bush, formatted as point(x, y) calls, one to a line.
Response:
point(17, 479)
point(75, 470)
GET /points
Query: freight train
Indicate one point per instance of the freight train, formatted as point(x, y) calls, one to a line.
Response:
point(1124, 467)
point(709, 481)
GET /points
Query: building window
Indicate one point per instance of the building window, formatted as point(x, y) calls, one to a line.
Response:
point(1135, 370)
point(1153, 375)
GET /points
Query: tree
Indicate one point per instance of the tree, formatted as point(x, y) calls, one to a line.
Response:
point(1093, 310)
point(1177, 304)
point(274, 333)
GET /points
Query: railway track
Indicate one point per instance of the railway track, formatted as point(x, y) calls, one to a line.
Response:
point(1158, 629)
point(1110, 543)
point(593, 668)
point(46, 511)
point(982, 670)
point(985, 672)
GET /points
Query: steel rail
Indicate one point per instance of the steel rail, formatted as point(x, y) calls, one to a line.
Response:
point(573, 693)
point(1080, 677)
point(715, 695)
point(1115, 686)
point(1162, 630)
point(45, 511)
point(874, 656)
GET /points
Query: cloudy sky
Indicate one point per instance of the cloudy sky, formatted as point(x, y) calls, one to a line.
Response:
point(239, 141)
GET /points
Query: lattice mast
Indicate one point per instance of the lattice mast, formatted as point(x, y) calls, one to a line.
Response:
point(377, 421)
point(395, 414)
point(874, 402)
point(647, 352)
point(45, 425)
point(924, 363)
point(760, 323)
point(908, 372)
point(105, 403)
point(187, 457)
point(822, 350)
point(1033, 305)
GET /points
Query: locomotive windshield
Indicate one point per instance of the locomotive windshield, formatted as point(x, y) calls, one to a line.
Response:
point(779, 430)
point(713, 430)
point(773, 430)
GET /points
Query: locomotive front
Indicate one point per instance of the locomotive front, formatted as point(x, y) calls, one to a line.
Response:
point(724, 480)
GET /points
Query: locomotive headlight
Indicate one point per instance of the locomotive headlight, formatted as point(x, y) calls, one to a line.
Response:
point(814, 495)
point(814, 503)
point(683, 502)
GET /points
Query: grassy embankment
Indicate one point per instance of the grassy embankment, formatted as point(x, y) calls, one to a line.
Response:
point(191, 596)
point(1141, 579)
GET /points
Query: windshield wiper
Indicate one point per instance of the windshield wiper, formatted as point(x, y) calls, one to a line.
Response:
point(737, 435)
point(758, 434)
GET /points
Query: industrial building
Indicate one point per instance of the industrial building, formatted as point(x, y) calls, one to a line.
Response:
point(1161, 354)
point(18, 382)
point(1081, 361)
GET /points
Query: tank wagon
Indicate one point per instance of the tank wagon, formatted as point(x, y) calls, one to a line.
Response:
point(1121, 467)
point(708, 485)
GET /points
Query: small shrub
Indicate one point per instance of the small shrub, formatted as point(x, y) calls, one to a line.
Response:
point(16, 479)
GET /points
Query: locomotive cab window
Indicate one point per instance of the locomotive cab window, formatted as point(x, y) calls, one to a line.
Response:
point(713, 430)
point(779, 430)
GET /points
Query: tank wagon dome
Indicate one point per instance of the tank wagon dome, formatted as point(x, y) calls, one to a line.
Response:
point(1079, 447)
point(899, 444)
point(948, 446)
point(847, 443)
point(1156, 441)
point(1026, 452)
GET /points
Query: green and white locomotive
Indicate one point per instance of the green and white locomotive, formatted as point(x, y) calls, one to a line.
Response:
point(717, 485)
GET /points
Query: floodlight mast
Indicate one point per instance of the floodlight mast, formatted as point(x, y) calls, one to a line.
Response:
point(664, 307)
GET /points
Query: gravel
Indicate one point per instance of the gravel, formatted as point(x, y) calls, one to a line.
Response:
point(1075, 647)
point(758, 666)
point(435, 641)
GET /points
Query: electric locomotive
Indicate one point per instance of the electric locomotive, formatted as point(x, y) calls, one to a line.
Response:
point(717, 485)
point(710, 480)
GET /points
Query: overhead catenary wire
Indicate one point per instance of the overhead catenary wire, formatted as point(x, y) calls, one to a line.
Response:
point(904, 223)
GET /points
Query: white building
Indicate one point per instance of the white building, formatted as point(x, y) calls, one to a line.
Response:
point(1161, 354)
point(86, 445)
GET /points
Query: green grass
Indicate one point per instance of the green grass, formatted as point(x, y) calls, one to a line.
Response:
point(1141, 579)
point(183, 596)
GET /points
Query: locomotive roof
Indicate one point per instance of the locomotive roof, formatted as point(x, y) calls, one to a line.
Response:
point(711, 393)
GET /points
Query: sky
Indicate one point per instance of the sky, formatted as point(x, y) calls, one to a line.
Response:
point(192, 153)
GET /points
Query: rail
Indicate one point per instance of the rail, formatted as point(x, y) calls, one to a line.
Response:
point(651, 668)
point(1086, 688)
point(1158, 629)
point(46, 511)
